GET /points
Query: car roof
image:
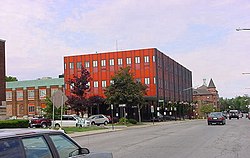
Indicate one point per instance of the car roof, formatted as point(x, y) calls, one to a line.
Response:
point(7, 133)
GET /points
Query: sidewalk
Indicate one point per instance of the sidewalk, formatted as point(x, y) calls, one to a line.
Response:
point(120, 128)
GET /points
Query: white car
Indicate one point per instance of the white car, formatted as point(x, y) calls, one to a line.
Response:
point(70, 121)
point(98, 120)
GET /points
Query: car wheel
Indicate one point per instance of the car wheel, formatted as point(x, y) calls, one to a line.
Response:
point(44, 125)
point(105, 123)
point(57, 125)
point(208, 123)
point(93, 123)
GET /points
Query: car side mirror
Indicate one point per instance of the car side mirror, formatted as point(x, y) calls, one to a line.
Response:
point(83, 151)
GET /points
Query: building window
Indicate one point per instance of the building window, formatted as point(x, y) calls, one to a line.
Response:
point(137, 60)
point(111, 62)
point(146, 59)
point(104, 84)
point(154, 80)
point(9, 96)
point(112, 82)
point(53, 90)
point(71, 65)
point(31, 108)
point(65, 66)
point(19, 95)
point(95, 63)
point(31, 94)
point(119, 61)
point(147, 81)
point(86, 64)
point(95, 84)
point(78, 65)
point(103, 63)
point(137, 80)
point(42, 93)
point(153, 58)
point(129, 61)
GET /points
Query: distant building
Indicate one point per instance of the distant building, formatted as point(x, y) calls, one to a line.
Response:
point(167, 80)
point(2, 78)
point(206, 95)
point(28, 97)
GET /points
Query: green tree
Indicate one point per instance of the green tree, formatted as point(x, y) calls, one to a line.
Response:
point(95, 101)
point(79, 87)
point(125, 90)
point(48, 111)
point(207, 108)
point(10, 79)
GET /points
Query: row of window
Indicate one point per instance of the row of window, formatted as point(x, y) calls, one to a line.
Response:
point(31, 94)
point(111, 62)
point(104, 82)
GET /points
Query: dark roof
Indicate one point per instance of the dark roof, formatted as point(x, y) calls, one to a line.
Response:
point(211, 84)
point(202, 90)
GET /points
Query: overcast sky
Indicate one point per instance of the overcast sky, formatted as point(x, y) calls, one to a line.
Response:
point(199, 34)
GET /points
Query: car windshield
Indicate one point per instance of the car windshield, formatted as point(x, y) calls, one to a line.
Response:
point(215, 114)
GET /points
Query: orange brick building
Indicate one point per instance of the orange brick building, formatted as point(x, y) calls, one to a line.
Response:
point(166, 79)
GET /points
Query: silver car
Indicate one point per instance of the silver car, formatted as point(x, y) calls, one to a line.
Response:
point(35, 143)
point(98, 120)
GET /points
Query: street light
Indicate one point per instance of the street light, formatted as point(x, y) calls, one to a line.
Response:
point(239, 29)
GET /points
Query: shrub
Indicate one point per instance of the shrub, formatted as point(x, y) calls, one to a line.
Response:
point(133, 121)
point(14, 123)
point(123, 120)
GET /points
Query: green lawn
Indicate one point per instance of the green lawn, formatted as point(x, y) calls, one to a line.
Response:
point(69, 130)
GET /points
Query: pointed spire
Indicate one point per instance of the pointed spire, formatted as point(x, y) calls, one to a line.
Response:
point(211, 84)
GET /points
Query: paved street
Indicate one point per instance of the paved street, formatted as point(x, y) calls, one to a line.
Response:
point(188, 139)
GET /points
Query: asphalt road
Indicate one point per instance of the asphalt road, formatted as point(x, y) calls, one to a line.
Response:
point(189, 139)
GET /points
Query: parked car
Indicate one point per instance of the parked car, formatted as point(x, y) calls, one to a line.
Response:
point(98, 119)
point(40, 122)
point(216, 118)
point(35, 143)
point(233, 114)
point(70, 121)
point(115, 119)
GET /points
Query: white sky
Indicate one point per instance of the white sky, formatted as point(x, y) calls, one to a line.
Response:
point(199, 34)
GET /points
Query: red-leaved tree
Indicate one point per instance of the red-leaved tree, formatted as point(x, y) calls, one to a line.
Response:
point(79, 88)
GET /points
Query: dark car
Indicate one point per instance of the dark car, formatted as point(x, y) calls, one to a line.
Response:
point(158, 118)
point(41, 143)
point(233, 114)
point(40, 122)
point(216, 118)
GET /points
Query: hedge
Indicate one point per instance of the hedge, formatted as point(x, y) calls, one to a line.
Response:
point(14, 123)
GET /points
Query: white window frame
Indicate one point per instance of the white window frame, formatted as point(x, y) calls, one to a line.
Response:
point(30, 92)
point(129, 61)
point(103, 63)
point(104, 83)
point(146, 59)
point(8, 95)
point(87, 65)
point(79, 65)
point(137, 60)
point(154, 80)
point(19, 95)
point(111, 62)
point(153, 58)
point(95, 84)
point(147, 81)
point(95, 63)
point(71, 65)
point(42, 93)
point(120, 61)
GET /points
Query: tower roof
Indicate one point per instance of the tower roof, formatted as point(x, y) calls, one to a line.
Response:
point(211, 84)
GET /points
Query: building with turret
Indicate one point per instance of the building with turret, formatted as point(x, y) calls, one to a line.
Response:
point(204, 95)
